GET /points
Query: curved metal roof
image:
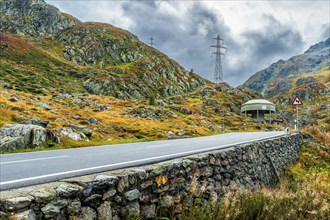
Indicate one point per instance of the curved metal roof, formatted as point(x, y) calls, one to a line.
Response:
point(258, 101)
point(258, 105)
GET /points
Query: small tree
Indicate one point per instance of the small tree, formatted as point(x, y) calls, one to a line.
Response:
point(152, 100)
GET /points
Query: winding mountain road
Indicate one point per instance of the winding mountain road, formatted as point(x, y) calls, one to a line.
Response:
point(25, 169)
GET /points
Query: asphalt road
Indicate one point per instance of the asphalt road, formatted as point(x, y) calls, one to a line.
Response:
point(25, 169)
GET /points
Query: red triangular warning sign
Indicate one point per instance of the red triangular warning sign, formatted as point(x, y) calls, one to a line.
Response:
point(297, 101)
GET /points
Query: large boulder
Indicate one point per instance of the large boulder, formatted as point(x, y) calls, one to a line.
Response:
point(14, 136)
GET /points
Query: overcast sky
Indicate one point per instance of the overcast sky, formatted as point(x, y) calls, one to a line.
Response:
point(257, 33)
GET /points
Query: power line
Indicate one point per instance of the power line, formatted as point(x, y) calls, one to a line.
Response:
point(220, 51)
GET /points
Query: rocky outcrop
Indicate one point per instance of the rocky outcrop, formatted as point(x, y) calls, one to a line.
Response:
point(170, 186)
point(277, 78)
point(15, 136)
point(32, 17)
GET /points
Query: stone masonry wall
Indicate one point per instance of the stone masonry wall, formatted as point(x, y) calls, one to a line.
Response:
point(144, 190)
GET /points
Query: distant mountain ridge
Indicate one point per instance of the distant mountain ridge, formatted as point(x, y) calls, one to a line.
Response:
point(278, 77)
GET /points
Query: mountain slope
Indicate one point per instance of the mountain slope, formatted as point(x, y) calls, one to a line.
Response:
point(307, 76)
point(278, 77)
point(98, 57)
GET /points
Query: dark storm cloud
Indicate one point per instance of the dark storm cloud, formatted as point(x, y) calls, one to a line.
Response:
point(184, 37)
point(274, 40)
point(265, 46)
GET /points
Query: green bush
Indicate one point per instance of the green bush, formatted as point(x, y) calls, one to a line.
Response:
point(152, 100)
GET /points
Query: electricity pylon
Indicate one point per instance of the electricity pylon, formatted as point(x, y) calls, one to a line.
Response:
point(220, 51)
point(152, 42)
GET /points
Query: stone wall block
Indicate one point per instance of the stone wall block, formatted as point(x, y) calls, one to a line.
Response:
point(105, 211)
point(132, 195)
point(123, 183)
point(87, 213)
point(17, 203)
point(68, 190)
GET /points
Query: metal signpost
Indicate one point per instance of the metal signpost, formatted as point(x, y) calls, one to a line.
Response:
point(297, 102)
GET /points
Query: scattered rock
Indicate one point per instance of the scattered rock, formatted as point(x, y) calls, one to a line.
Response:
point(68, 132)
point(92, 120)
point(13, 99)
point(83, 129)
point(42, 105)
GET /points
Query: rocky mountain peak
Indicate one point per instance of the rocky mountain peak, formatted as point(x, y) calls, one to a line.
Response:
point(22, 4)
point(319, 46)
point(33, 17)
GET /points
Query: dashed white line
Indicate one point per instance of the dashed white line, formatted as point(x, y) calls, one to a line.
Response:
point(157, 146)
point(35, 159)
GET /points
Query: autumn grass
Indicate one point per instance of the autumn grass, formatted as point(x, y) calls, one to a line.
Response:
point(282, 202)
point(324, 136)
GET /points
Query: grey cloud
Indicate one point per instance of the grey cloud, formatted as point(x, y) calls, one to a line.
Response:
point(326, 31)
point(263, 47)
point(190, 46)
point(274, 40)
point(187, 37)
point(185, 40)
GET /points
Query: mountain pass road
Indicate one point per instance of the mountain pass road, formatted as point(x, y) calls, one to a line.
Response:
point(25, 169)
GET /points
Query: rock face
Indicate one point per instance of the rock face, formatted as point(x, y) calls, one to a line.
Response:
point(167, 186)
point(32, 17)
point(278, 77)
point(21, 136)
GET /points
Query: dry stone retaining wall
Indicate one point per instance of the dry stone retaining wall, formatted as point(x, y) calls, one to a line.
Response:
point(144, 190)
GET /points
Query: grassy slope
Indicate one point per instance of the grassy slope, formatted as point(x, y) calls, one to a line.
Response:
point(29, 69)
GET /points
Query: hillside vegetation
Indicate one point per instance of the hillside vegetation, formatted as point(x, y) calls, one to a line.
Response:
point(91, 83)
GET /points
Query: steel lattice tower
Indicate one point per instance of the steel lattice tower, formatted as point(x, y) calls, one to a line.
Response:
point(220, 51)
point(152, 42)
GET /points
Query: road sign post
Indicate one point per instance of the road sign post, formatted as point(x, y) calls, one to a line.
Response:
point(297, 102)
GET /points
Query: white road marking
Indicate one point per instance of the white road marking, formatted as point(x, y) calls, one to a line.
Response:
point(172, 156)
point(157, 146)
point(28, 160)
